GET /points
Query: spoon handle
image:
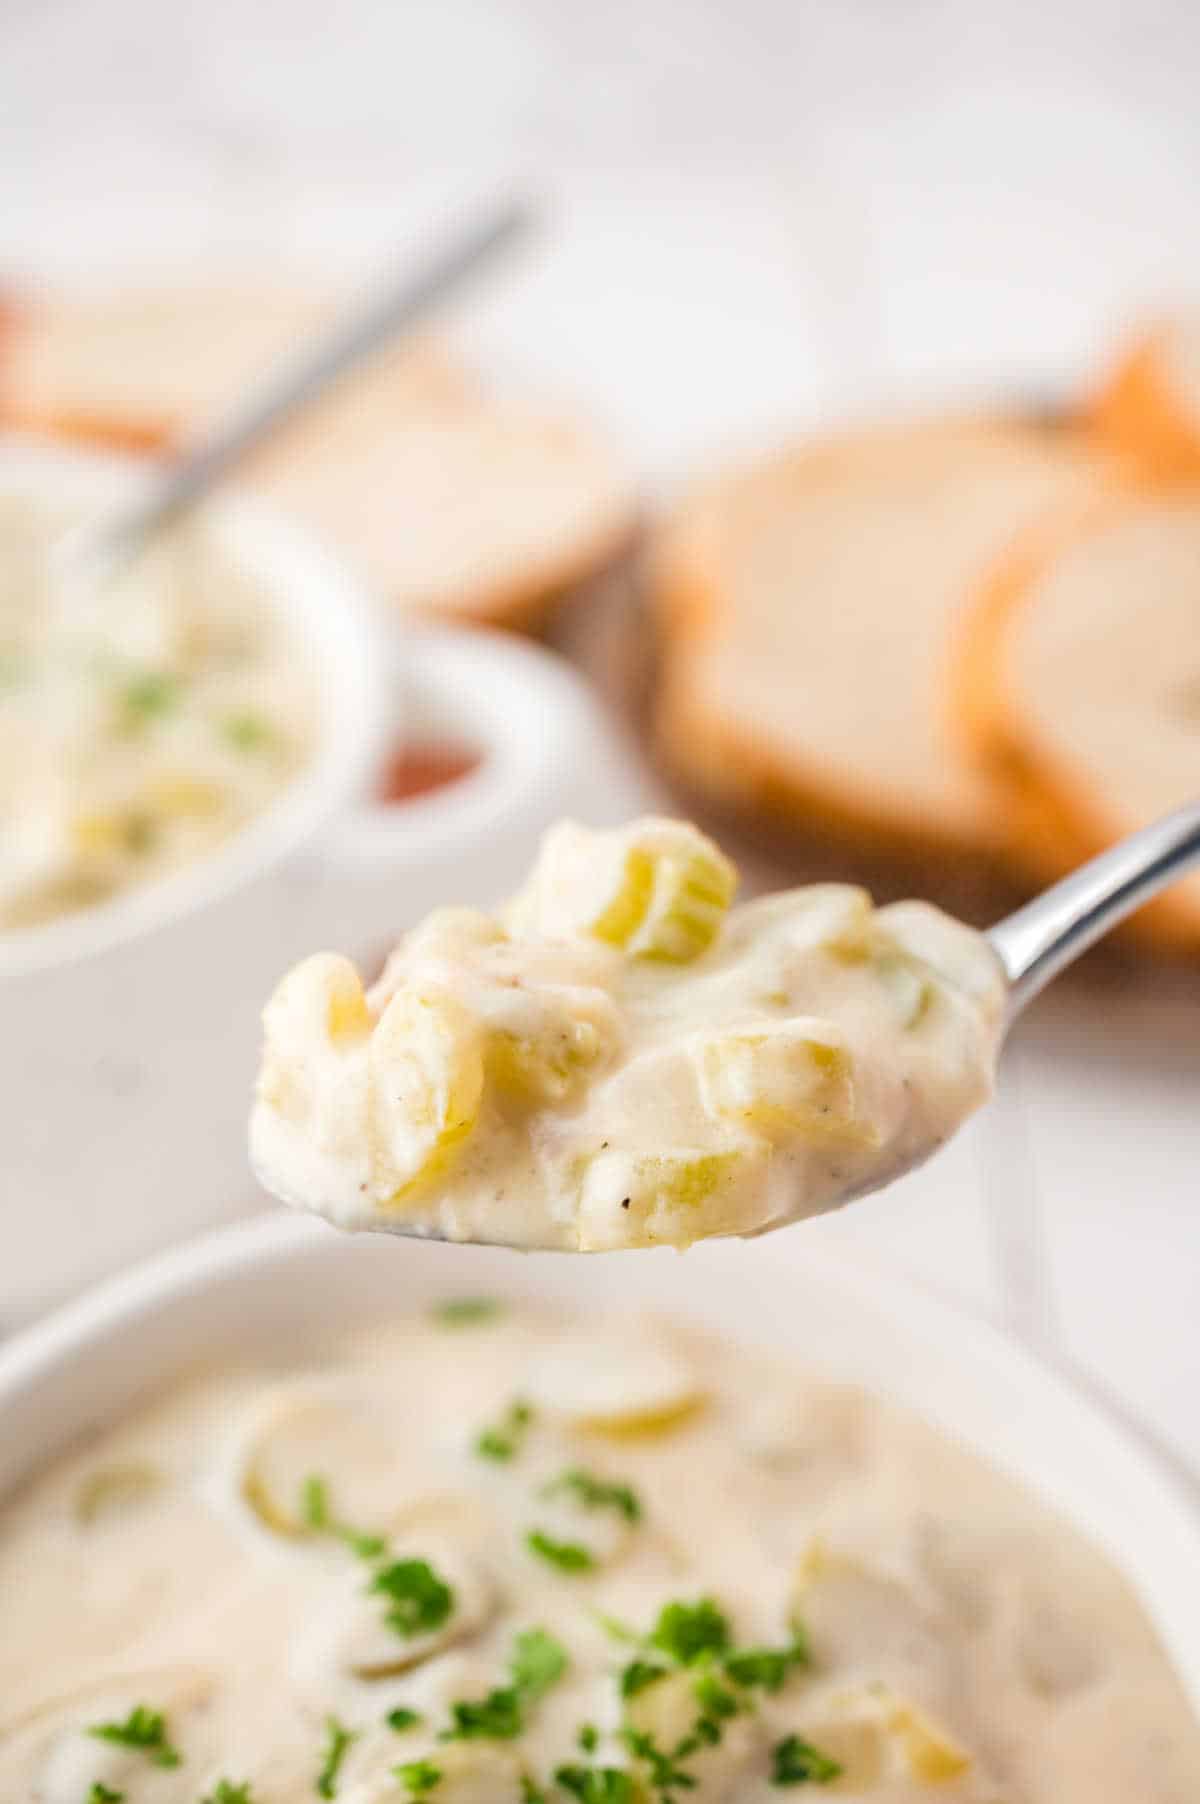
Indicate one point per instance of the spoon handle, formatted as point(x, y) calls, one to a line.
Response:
point(1037, 941)
point(401, 302)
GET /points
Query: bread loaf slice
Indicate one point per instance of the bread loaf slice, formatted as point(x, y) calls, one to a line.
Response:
point(807, 607)
point(1149, 407)
point(447, 499)
point(1078, 687)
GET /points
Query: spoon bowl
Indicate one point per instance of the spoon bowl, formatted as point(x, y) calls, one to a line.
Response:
point(824, 1050)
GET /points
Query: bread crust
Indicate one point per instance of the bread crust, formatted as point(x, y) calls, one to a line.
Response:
point(1139, 413)
point(1058, 816)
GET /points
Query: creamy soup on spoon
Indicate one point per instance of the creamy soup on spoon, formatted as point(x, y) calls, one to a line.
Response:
point(621, 1058)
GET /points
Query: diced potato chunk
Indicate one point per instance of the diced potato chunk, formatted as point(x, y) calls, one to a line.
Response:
point(783, 1079)
point(645, 1388)
point(426, 1066)
point(308, 1432)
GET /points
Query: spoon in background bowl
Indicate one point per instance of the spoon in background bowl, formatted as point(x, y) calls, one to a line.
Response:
point(90, 554)
point(614, 1060)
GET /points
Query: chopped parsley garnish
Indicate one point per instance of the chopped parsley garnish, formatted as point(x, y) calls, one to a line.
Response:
point(596, 1784)
point(768, 1667)
point(229, 1793)
point(247, 731)
point(497, 1717)
point(665, 1772)
point(418, 1600)
point(796, 1762)
point(466, 1312)
point(588, 1738)
point(103, 1794)
point(596, 1493)
point(143, 1729)
point(418, 1777)
point(638, 1674)
point(538, 1661)
point(716, 1701)
point(504, 1440)
point(687, 1632)
point(401, 1719)
point(338, 1740)
point(532, 1793)
point(317, 1514)
point(148, 696)
point(568, 1556)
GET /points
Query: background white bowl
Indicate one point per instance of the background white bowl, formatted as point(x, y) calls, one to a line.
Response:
point(129, 1032)
point(285, 1282)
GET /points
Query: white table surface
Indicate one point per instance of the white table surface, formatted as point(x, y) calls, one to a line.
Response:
point(758, 215)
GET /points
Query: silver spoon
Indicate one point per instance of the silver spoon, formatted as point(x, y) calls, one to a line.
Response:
point(96, 549)
point(1049, 933)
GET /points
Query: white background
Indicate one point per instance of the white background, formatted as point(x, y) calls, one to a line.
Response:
point(758, 215)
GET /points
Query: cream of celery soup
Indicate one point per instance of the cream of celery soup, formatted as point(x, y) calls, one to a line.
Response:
point(141, 726)
point(619, 1058)
point(488, 1557)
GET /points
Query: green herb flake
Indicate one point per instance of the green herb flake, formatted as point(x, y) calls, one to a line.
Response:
point(229, 1793)
point(246, 730)
point(318, 1517)
point(767, 1667)
point(466, 1312)
point(637, 1675)
point(665, 1772)
point(596, 1784)
point(588, 1738)
point(418, 1777)
point(538, 1662)
point(338, 1742)
point(531, 1792)
point(143, 1729)
point(688, 1632)
point(149, 695)
point(104, 1794)
point(497, 1717)
point(402, 1718)
point(595, 1493)
point(504, 1440)
point(567, 1556)
point(717, 1703)
point(418, 1600)
point(795, 1761)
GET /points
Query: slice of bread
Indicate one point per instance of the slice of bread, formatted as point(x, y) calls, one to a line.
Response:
point(807, 607)
point(1149, 407)
point(1078, 687)
point(156, 368)
point(447, 499)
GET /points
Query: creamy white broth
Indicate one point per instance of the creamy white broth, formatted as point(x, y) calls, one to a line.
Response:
point(933, 1632)
point(618, 1058)
point(141, 725)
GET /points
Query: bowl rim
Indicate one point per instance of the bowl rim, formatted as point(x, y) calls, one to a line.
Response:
point(320, 601)
point(1160, 1523)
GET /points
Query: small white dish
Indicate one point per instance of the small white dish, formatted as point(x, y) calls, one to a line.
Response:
point(285, 1282)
